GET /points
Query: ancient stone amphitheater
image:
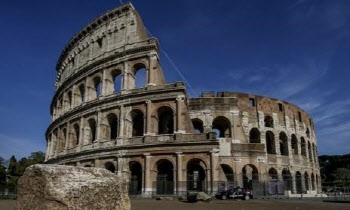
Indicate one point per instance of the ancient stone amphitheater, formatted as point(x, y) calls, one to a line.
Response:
point(113, 108)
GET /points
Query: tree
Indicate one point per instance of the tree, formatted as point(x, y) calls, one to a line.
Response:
point(37, 157)
point(12, 166)
point(343, 175)
point(2, 172)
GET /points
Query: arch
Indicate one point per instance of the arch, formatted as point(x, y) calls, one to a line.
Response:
point(116, 78)
point(298, 182)
point(81, 93)
point(137, 119)
point(270, 142)
point(70, 96)
point(135, 185)
point(165, 177)
point(306, 178)
point(76, 135)
point(314, 152)
point(295, 145)
point(87, 166)
point(228, 172)
point(287, 179)
point(313, 185)
point(273, 174)
point(113, 125)
point(92, 126)
point(140, 75)
point(310, 151)
point(307, 132)
point(283, 144)
point(196, 175)
point(110, 167)
point(197, 125)
point(268, 121)
point(254, 136)
point(303, 146)
point(63, 138)
point(222, 126)
point(250, 175)
point(165, 120)
point(97, 87)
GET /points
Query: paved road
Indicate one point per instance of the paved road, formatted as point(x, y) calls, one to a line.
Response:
point(148, 204)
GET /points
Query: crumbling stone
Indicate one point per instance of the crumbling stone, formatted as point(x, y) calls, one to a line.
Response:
point(58, 187)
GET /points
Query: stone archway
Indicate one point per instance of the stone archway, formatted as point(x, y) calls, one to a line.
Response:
point(165, 177)
point(196, 175)
point(250, 174)
point(135, 184)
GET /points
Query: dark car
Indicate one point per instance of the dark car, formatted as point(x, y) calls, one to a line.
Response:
point(238, 192)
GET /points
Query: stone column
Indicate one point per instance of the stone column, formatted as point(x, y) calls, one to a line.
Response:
point(104, 84)
point(147, 190)
point(294, 183)
point(148, 117)
point(214, 155)
point(179, 120)
point(121, 122)
point(153, 61)
point(179, 180)
point(98, 124)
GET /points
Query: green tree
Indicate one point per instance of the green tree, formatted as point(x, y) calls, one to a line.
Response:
point(342, 175)
point(2, 172)
point(12, 166)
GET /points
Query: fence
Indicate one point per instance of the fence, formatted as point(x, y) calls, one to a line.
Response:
point(338, 194)
point(8, 192)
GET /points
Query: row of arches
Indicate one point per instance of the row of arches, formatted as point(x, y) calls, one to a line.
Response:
point(70, 136)
point(255, 137)
point(96, 86)
point(221, 126)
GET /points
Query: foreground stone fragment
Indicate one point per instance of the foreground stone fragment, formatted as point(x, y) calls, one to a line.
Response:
point(56, 187)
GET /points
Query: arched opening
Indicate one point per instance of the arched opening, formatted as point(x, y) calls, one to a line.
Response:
point(306, 178)
point(97, 87)
point(116, 81)
point(307, 132)
point(270, 143)
point(76, 134)
point(228, 172)
point(283, 144)
point(196, 175)
point(268, 122)
point(273, 174)
point(92, 134)
point(298, 181)
point(70, 99)
point(303, 146)
point(222, 127)
point(113, 126)
point(310, 151)
point(287, 179)
point(135, 185)
point(140, 75)
point(110, 167)
point(137, 119)
point(254, 136)
point(165, 120)
point(165, 177)
point(314, 152)
point(87, 166)
point(82, 93)
point(250, 175)
point(63, 139)
point(197, 125)
point(295, 145)
point(313, 181)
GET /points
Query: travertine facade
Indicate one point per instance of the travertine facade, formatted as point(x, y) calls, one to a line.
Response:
point(156, 137)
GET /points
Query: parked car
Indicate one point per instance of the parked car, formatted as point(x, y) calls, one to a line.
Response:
point(238, 192)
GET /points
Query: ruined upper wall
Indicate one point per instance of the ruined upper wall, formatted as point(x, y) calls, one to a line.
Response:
point(253, 104)
point(115, 31)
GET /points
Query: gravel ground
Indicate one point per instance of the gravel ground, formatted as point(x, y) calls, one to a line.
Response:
point(148, 204)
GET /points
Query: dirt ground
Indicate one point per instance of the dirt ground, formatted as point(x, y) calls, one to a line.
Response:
point(148, 204)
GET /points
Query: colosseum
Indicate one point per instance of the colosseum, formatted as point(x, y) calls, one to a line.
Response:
point(113, 108)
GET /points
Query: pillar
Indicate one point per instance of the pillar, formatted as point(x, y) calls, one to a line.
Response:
point(121, 122)
point(294, 183)
point(153, 63)
point(180, 184)
point(147, 190)
point(148, 117)
point(179, 120)
point(214, 155)
point(98, 124)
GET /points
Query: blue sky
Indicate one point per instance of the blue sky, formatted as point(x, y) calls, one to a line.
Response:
point(294, 50)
